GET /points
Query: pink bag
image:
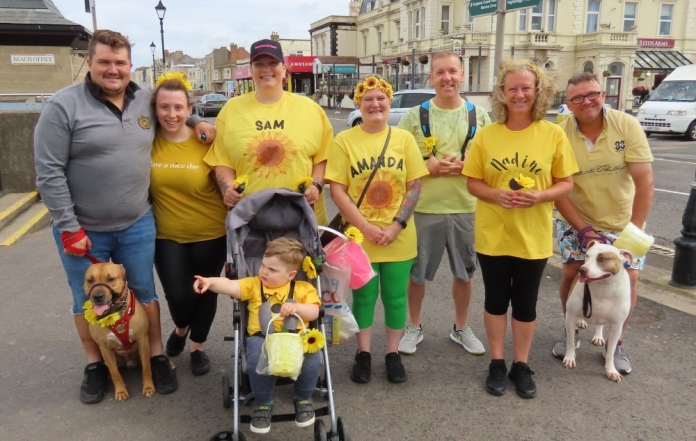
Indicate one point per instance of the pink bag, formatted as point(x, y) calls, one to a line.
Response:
point(348, 254)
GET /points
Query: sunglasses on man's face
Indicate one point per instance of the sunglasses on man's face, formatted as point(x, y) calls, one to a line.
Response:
point(581, 98)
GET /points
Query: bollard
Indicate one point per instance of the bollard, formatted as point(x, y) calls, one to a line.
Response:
point(684, 269)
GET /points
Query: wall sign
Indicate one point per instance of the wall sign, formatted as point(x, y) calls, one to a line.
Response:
point(33, 59)
point(655, 42)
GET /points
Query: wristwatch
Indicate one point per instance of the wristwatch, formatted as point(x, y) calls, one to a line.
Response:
point(401, 222)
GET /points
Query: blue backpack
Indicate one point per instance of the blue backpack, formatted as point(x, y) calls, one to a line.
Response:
point(425, 122)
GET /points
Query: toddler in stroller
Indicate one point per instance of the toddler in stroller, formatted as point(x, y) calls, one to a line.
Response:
point(274, 291)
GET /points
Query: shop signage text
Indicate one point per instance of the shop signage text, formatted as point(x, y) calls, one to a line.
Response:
point(33, 59)
point(655, 42)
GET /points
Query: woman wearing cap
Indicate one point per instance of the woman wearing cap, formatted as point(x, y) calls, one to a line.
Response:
point(271, 138)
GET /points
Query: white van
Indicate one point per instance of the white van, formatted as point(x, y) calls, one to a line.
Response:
point(671, 108)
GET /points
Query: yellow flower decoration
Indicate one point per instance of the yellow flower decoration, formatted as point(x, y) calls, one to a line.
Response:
point(429, 144)
point(355, 235)
point(524, 182)
point(304, 183)
point(240, 183)
point(309, 268)
point(313, 341)
point(372, 82)
point(92, 317)
point(178, 76)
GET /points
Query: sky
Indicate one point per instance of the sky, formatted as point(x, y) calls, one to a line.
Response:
point(199, 26)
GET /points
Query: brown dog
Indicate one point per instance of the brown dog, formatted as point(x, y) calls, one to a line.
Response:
point(105, 285)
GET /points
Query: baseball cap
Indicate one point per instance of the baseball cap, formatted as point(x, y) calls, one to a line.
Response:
point(267, 47)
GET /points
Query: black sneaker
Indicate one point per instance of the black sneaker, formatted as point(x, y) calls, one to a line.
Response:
point(362, 368)
point(261, 418)
point(176, 343)
point(496, 381)
point(521, 375)
point(163, 375)
point(304, 413)
point(395, 369)
point(200, 365)
point(94, 383)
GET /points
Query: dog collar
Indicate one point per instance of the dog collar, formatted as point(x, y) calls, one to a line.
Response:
point(122, 325)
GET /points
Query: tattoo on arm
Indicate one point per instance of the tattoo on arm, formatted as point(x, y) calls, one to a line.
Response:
point(408, 206)
point(223, 184)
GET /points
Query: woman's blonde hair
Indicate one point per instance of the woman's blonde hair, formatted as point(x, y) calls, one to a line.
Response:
point(545, 89)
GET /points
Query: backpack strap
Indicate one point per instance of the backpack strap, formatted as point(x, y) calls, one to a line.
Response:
point(472, 126)
point(424, 111)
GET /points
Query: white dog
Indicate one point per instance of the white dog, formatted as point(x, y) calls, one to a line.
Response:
point(607, 302)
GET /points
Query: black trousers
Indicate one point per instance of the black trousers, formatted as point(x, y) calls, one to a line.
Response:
point(176, 264)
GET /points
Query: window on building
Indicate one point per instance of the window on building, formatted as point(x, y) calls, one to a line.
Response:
point(445, 23)
point(323, 47)
point(364, 44)
point(410, 25)
point(216, 75)
point(592, 16)
point(523, 20)
point(551, 16)
point(537, 16)
point(416, 32)
point(369, 6)
point(666, 20)
point(379, 42)
point(629, 16)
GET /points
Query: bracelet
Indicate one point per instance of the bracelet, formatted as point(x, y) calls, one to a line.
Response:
point(401, 222)
point(364, 225)
point(319, 186)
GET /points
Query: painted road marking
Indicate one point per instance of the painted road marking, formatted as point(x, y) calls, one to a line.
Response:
point(674, 192)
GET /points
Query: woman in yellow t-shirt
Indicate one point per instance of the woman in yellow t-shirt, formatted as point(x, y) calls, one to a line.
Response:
point(274, 138)
point(383, 216)
point(516, 168)
point(189, 217)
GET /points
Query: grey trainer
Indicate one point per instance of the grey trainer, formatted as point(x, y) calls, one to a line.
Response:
point(622, 361)
point(466, 338)
point(410, 340)
point(559, 349)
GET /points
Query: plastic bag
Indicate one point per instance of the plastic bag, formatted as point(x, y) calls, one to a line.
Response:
point(335, 287)
point(348, 254)
point(340, 326)
point(282, 353)
point(634, 240)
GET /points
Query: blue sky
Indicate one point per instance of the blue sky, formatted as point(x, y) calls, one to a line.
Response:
point(199, 26)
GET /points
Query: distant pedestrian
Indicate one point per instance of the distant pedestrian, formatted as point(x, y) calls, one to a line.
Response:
point(339, 100)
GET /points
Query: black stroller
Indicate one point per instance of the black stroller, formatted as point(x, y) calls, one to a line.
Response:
point(256, 220)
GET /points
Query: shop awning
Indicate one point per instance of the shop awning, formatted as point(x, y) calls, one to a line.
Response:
point(660, 60)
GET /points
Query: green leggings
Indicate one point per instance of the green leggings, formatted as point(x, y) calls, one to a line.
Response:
point(392, 278)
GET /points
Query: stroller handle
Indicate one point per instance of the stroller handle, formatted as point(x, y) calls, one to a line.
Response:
point(334, 232)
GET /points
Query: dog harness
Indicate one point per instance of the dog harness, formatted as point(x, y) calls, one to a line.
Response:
point(121, 327)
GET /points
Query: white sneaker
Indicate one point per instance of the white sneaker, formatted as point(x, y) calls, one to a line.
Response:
point(410, 340)
point(466, 338)
point(622, 361)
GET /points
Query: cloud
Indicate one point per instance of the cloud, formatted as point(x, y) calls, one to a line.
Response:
point(197, 27)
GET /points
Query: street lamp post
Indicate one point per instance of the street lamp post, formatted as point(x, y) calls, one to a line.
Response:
point(161, 10)
point(154, 67)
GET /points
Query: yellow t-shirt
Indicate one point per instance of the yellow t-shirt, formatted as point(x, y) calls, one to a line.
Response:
point(185, 202)
point(353, 155)
point(450, 128)
point(604, 190)
point(498, 155)
point(251, 293)
point(275, 144)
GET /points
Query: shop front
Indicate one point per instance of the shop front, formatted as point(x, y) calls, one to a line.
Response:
point(242, 75)
point(301, 74)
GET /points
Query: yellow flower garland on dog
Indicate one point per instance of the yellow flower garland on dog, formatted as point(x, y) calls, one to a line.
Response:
point(372, 82)
point(179, 76)
point(92, 319)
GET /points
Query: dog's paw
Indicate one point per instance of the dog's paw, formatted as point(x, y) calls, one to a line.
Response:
point(121, 395)
point(569, 363)
point(148, 390)
point(614, 376)
point(581, 324)
point(597, 341)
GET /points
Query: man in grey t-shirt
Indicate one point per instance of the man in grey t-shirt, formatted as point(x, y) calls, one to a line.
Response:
point(92, 149)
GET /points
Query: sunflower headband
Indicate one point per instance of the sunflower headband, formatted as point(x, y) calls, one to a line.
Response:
point(531, 66)
point(175, 76)
point(370, 83)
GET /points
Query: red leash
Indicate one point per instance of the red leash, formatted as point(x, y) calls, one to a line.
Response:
point(69, 239)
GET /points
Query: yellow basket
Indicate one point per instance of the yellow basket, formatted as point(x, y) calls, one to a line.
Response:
point(285, 352)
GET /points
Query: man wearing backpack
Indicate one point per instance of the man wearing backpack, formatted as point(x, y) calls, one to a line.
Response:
point(444, 215)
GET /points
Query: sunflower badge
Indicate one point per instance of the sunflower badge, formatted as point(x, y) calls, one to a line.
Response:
point(309, 268)
point(313, 341)
point(354, 235)
point(429, 144)
point(240, 183)
point(93, 318)
point(522, 182)
point(303, 184)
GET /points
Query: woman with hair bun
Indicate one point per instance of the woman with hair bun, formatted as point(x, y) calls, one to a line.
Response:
point(516, 168)
point(189, 218)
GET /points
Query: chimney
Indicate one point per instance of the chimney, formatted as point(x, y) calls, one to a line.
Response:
point(275, 36)
point(166, 53)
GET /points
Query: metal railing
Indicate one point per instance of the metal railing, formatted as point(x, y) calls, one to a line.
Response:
point(23, 101)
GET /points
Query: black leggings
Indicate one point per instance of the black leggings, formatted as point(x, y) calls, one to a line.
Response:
point(176, 264)
point(513, 280)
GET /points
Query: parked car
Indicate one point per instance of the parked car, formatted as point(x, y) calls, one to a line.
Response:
point(210, 104)
point(403, 100)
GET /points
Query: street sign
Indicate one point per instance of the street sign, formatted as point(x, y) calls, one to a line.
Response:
point(340, 68)
point(484, 7)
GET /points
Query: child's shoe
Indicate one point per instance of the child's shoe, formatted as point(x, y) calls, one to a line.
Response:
point(304, 413)
point(395, 369)
point(362, 367)
point(261, 418)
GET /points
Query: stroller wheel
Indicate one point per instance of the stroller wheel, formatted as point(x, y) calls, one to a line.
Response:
point(227, 435)
point(342, 427)
point(319, 430)
point(226, 397)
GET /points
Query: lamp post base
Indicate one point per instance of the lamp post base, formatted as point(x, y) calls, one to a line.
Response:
point(684, 268)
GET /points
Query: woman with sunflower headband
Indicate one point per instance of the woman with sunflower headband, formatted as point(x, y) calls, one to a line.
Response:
point(516, 168)
point(383, 215)
point(273, 137)
point(189, 218)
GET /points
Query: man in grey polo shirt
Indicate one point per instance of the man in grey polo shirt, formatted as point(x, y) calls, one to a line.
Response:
point(92, 148)
point(444, 215)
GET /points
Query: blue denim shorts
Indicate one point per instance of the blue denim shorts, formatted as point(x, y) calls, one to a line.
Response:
point(569, 244)
point(133, 247)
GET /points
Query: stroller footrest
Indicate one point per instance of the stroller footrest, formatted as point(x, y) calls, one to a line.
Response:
point(285, 417)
